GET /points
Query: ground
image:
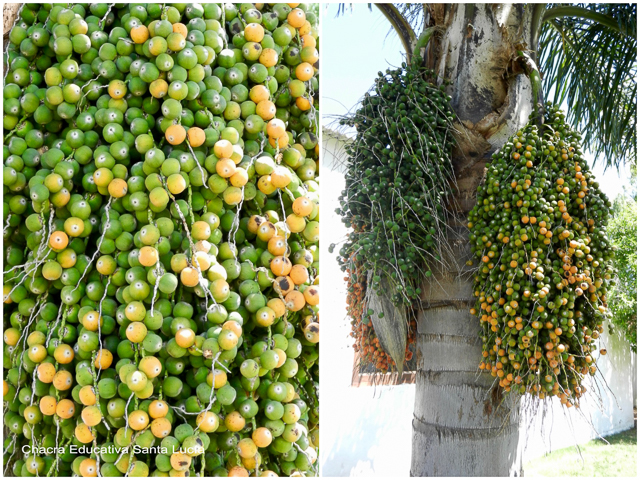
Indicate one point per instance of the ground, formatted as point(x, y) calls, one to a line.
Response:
point(618, 458)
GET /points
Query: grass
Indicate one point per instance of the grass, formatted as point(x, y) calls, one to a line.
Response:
point(617, 459)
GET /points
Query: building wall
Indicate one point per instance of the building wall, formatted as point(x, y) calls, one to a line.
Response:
point(366, 431)
point(611, 413)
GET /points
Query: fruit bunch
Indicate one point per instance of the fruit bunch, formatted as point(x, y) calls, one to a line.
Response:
point(367, 345)
point(538, 231)
point(160, 223)
point(398, 178)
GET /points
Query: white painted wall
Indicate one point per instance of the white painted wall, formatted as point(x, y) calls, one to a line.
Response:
point(611, 413)
point(366, 431)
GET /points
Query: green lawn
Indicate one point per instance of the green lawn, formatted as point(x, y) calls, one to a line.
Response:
point(618, 459)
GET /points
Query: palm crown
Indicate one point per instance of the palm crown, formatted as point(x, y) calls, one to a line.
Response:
point(587, 57)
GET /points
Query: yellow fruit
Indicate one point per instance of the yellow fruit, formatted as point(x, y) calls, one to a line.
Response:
point(139, 34)
point(175, 134)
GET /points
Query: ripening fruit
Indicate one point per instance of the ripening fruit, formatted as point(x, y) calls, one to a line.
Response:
point(139, 34)
point(296, 18)
point(65, 408)
point(185, 337)
point(58, 240)
point(148, 256)
point(223, 149)
point(225, 167)
point(207, 422)
point(158, 409)
point(91, 416)
point(104, 359)
point(238, 471)
point(32, 414)
point(299, 274)
point(276, 128)
point(265, 317)
point(312, 295)
point(136, 381)
point(136, 332)
point(89, 467)
point(227, 340)
point(48, 405)
point(268, 58)
point(277, 306)
point(118, 188)
point(254, 32)
point(280, 177)
point(312, 332)
point(87, 395)
point(92, 321)
point(247, 448)
point(200, 230)
point(302, 206)
point(152, 156)
point(138, 420)
point(175, 134)
point(46, 372)
point(189, 277)
point(262, 437)
point(280, 265)
point(151, 367)
point(296, 223)
point(234, 421)
point(217, 379)
point(551, 262)
point(294, 301)
point(11, 337)
point(161, 427)
point(37, 353)
point(196, 136)
point(180, 462)
point(62, 380)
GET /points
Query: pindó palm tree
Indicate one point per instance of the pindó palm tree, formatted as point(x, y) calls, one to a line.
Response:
point(500, 61)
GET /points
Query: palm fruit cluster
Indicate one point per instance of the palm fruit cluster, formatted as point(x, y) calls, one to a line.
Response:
point(367, 345)
point(160, 225)
point(538, 231)
point(398, 177)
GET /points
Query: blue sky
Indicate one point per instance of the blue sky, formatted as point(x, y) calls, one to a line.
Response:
point(356, 46)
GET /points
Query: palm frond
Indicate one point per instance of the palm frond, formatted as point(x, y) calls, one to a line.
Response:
point(591, 66)
point(414, 13)
point(342, 8)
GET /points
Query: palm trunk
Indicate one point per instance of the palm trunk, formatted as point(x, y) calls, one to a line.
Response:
point(462, 426)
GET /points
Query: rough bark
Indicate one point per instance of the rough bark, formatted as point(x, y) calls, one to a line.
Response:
point(9, 14)
point(462, 426)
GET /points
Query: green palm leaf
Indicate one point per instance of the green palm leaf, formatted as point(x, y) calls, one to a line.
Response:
point(590, 63)
point(587, 56)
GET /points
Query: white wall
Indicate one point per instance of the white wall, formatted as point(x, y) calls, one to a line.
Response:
point(611, 413)
point(366, 431)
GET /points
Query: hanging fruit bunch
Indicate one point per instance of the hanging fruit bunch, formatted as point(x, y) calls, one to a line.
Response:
point(160, 210)
point(538, 231)
point(367, 345)
point(398, 178)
